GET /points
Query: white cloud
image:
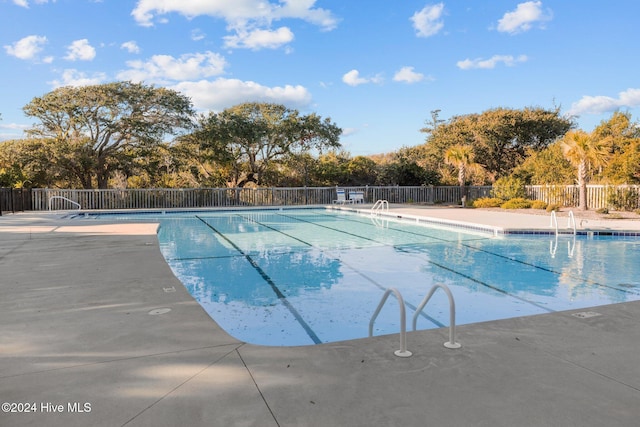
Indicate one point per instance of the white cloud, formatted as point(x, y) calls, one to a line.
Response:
point(73, 77)
point(523, 18)
point(25, 3)
point(243, 17)
point(80, 50)
point(197, 34)
point(162, 68)
point(490, 63)
point(27, 47)
point(259, 39)
point(13, 126)
point(223, 93)
point(352, 78)
point(427, 22)
point(630, 98)
point(12, 130)
point(408, 75)
point(235, 12)
point(130, 46)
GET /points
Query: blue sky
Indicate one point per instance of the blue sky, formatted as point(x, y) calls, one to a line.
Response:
point(376, 67)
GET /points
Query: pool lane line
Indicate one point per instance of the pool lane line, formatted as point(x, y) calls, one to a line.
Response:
point(399, 248)
point(201, 258)
point(376, 284)
point(271, 283)
point(370, 224)
point(475, 248)
point(528, 264)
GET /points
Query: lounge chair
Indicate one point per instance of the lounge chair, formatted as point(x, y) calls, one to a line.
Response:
point(356, 196)
point(341, 197)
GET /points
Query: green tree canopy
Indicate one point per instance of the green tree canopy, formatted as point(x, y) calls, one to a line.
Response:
point(97, 124)
point(31, 163)
point(499, 137)
point(250, 137)
point(621, 138)
point(585, 153)
point(463, 159)
point(544, 167)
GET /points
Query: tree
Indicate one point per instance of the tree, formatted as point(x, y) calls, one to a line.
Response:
point(98, 123)
point(584, 152)
point(545, 167)
point(621, 137)
point(462, 158)
point(331, 168)
point(432, 125)
point(500, 137)
point(404, 171)
point(28, 162)
point(361, 171)
point(250, 137)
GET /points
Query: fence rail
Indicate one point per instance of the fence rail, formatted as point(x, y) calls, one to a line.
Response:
point(15, 199)
point(42, 199)
point(618, 197)
point(166, 198)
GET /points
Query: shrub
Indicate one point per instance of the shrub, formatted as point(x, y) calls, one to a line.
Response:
point(623, 199)
point(507, 188)
point(487, 202)
point(553, 207)
point(538, 204)
point(602, 211)
point(517, 203)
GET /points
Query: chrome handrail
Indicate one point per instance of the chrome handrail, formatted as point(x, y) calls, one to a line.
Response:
point(403, 352)
point(572, 222)
point(452, 314)
point(380, 205)
point(63, 198)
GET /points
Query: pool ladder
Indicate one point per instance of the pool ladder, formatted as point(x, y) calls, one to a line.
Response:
point(403, 352)
point(76, 204)
point(380, 206)
point(571, 222)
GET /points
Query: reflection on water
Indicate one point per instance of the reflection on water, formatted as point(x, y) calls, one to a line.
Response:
point(270, 277)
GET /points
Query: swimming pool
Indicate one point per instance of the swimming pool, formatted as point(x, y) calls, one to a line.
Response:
point(308, 276)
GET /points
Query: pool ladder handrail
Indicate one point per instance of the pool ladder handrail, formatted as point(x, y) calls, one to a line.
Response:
point(403, 352)
point(63, 198)
point(571, 222)
point(379, 206)
point(452, 314)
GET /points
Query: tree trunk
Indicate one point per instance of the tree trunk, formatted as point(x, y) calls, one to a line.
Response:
point(102, 174)
point(582, 185)
point(462, 177)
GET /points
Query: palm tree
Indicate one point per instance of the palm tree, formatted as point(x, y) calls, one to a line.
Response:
point(461, 157)
point(583, 152)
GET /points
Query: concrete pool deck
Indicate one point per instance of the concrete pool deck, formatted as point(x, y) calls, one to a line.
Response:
point(96, 331)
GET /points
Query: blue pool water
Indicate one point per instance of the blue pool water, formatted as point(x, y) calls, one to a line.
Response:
point(306, 276)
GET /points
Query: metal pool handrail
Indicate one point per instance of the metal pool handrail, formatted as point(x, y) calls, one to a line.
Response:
point(452, 314)
point(64, 198)
point(571, 222)
point(403, 352)
point(380, 205)
point(554, 221)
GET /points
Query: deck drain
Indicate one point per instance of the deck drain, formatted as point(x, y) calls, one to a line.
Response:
point(586, 314)
point(157, 311)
